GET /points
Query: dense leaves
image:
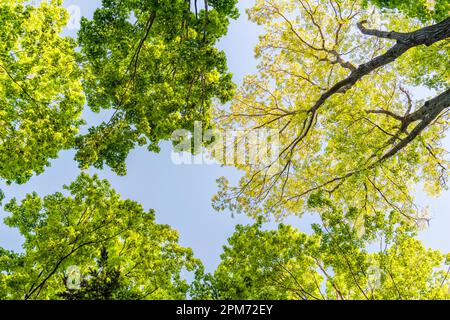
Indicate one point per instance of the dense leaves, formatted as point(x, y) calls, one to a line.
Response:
point(423, 9)
point(41, 96)
point(373, 258)
point(155, 64)
point(336, 82)
point(92, 226)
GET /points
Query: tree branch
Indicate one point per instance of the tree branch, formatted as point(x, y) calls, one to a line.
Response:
point(430, 111)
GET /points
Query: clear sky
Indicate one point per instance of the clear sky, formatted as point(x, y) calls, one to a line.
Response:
point(181, 195)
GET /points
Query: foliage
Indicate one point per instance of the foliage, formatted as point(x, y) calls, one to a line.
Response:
point(41, 96)
point(340, 97)
point(75, 230)
point(425, 10)
point(155, 64)
point(373, 258)
point(337, 82)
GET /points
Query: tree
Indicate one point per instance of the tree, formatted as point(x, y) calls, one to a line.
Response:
point(338, 92)
point(155, 64)
point(89, 229)
point(339, 260)
point(41, 97)
point(425, 10)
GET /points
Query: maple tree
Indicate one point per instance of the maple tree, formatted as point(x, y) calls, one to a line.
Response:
point(92, 225)
point(155, 64)
point(41, 97)
point(346, 257)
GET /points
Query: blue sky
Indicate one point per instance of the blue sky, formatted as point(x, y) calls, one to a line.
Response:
point(181, 195)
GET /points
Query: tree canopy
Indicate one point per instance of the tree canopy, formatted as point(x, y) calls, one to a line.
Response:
point(375, 258)
point(88, 227)
point(424, 10)
point(357, 93)
point(336, 82)
point(155, 64)
point(41, 97)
